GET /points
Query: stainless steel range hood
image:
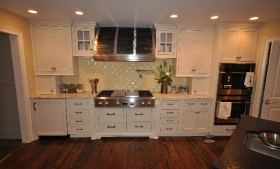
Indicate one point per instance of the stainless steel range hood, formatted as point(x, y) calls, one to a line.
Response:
point(124, 44)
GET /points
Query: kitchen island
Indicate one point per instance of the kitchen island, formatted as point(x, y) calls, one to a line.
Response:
point(236, 155)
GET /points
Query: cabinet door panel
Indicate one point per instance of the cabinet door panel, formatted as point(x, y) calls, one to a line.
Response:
point(186, 51)
point(202, 120)
point(249, 44)
point(42, 49)
point(189, 120)
point(203, 52)
point(51, 116)
point(230, 44)
point(61, 49)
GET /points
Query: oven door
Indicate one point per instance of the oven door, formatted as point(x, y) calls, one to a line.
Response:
point(236, 85)
point(239, 105)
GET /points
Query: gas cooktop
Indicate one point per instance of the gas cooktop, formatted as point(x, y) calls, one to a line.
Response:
point(124, 98)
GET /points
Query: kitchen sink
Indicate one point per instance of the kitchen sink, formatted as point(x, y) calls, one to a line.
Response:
point(253, 141)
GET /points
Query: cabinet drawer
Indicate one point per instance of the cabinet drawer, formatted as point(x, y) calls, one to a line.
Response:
point(111, 127)
point(79, 129)
point(139, 126)
point(170, 104)
point(165, 120)
point(169, 128)
point(139, 113)
point(78, 120)
point(223, 129)
point(110, 113)
point(169, 113)
point(77, 112)
point(77, 103)
point(200, 103)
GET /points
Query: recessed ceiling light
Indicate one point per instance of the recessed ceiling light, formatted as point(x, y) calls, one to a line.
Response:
point(254, 18)
point(173, 16)
point(214, 17)
point(32, 11)
point(79, 13)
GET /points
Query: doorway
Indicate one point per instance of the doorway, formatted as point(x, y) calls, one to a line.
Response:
point(267, 99)
point(9, 121)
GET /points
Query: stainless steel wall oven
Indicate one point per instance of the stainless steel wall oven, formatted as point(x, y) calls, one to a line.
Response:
point(232, 89)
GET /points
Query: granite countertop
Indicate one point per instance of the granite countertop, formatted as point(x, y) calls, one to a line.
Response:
point(89, 95)
point(237, 156)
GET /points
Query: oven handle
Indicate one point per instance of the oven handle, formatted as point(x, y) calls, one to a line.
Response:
point(238, 102)
point(235, 72)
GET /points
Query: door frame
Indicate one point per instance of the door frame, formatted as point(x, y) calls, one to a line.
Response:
point(256, 108)
point(19, 67)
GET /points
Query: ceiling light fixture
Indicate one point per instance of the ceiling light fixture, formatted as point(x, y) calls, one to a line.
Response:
point(214, 17)
point(254, 18)
point(32, 11)
point(79, 13)
point(173, 16)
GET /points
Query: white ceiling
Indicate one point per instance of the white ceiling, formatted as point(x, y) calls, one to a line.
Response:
point(144, 13)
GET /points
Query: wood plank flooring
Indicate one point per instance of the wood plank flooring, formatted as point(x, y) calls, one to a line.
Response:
point(8, 146)
point(117, 153)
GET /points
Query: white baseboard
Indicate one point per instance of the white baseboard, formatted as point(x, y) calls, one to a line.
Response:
point(10, 134)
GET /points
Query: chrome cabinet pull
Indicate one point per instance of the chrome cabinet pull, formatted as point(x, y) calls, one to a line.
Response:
point(111, 126)
point(78, 103)
point(170, 104)
point(190, 103)
point(110, 114)
point(139, 114)
point(79, 129)
point(169, 128)
point(203, 103)
point(169, 120)
point(79, 120)
point(229, 129)
point(171, 112)
point(78, 112)
point(139, 126)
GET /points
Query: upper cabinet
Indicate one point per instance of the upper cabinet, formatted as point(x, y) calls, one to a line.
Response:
point(52, 48)
point(239, 42)
point(83, 35)
point(166, 38)
point(194, 51)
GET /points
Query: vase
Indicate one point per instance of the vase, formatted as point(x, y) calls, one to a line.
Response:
point(164, 88)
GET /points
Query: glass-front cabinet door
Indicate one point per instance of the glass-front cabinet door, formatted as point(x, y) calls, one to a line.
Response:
point(166, 42)
point(83, 42)
point(83, 38)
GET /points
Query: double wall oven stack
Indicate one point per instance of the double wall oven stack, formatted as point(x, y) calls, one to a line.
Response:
point(235, 86)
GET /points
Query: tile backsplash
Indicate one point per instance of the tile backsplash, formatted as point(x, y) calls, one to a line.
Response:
point(119, 75)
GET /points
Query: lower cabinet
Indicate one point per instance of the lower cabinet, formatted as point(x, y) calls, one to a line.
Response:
point(124, 122)
point(184, 117)
point(223, 130)
point(80, 117)
point(49, 117)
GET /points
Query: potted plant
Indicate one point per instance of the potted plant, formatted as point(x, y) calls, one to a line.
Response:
point(164, 76)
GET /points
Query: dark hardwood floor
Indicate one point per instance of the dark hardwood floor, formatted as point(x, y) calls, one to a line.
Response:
point(117, 153)
point(8, 146)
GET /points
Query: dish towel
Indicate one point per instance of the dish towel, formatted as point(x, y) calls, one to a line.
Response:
point(249, 79)
point(224, 110)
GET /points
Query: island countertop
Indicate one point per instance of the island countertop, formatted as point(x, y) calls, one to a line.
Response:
point(237, 156)
point(89, 95)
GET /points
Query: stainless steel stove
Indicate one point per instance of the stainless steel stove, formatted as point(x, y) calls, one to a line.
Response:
point(124, 98)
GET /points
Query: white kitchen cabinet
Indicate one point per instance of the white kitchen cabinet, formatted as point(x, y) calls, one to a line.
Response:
point(169, 118)
point(52, 48)
point(194, 51)
point(124, 122)
point(166, 39)
point(80, 117)
point(239, 42)
point(198, 85)
point(48, 84)
point(196, 115)
point(83, 35)
point(49, 117)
